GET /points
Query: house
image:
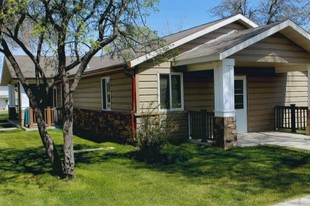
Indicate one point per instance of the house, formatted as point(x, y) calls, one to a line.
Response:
point(3, 91)
point(232, 68)
point(231, 72)
point(19, 106)
point(4, 96)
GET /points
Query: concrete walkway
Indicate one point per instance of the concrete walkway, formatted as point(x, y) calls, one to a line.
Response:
point(304, 201)
point(299, 141)
point(281, 139)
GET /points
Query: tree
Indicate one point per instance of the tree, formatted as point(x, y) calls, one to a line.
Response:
point(62, 28)
point(232, 7)
point(266, 11)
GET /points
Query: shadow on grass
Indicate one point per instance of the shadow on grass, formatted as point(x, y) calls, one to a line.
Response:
point(269, 167)
point(14, 162)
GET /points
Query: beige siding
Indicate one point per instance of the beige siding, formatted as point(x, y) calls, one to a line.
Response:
point(275, 48)
point(199, 91)
point(88, 93)
point(147, 84)
point(266, 92)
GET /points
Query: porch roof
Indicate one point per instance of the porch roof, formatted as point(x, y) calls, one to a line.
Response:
point(227, 45)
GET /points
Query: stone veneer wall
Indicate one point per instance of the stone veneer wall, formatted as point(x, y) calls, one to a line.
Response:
point(225, 133)
point(105, 125)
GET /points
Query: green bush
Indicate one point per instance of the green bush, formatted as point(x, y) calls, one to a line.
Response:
point(153, 133)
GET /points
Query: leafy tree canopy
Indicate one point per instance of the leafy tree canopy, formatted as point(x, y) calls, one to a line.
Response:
point(266, 11)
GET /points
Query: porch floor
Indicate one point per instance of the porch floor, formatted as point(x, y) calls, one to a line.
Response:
point(299, 141)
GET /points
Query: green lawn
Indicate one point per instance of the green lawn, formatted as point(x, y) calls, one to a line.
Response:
point(4, 115)
point(191, 175)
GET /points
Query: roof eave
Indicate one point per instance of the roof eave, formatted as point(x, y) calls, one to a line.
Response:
point(240, 18)
point(277, 28)
point(197, 60)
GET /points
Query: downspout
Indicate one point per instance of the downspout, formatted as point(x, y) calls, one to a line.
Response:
point(133, 104)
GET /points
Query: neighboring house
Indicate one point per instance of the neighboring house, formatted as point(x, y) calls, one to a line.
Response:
point(3, 91)
point(18, 103)
point(4, 98)
point(232, 68)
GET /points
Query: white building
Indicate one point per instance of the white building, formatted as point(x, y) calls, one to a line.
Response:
point(4, 96)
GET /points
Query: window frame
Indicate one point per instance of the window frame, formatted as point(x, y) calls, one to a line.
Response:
point(107, 107)
point(170, 74)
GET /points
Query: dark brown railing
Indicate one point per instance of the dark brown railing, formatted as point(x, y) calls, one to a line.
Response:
point(291, 117)
point(201, 124)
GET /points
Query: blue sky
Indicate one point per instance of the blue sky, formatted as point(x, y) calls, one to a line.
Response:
point(174, 15)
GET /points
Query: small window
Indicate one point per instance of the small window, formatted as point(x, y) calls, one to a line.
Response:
point(171, 91)
point(106, 93)
point(55, 97)
point(239, 94)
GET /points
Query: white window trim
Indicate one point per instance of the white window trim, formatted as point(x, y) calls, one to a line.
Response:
point(170, 89)
point(102, 107)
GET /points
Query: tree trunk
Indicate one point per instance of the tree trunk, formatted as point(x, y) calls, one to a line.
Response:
point(49, 144)
point(68, 136)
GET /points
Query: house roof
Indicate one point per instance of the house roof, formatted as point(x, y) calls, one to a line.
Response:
point(216, 49)
point(180, 38)
point(231, 43)
point(171, 41)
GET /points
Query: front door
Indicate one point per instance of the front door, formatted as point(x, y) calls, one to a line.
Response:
point(241, 104)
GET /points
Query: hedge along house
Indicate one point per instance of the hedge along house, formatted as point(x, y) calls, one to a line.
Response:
point(232, 68)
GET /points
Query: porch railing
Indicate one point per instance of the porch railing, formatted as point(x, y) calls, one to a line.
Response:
point(291, 117)
point(201, 124)
point(50, 116)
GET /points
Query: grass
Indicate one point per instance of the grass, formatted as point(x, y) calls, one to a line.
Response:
point(190, 175)
point(4, 116)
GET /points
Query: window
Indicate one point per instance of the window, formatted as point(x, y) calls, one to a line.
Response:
point(239, 102)
point(106, 93)
point(54, 97)
point(171, 91)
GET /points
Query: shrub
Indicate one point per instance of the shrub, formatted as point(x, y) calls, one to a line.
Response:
point(153, 133)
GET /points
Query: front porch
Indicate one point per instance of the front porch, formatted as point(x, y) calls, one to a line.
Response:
point(52, 117)
point(25, 118)
point(269, 100)
point(243, 76)
point(288, 119)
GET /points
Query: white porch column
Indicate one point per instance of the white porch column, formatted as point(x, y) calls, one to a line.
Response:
point(225, 122)
point(12, 108)
point(11, 90)
point(224, 89)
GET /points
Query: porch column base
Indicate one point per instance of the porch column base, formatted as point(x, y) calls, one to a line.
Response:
point(225, 133)
point(308, 123)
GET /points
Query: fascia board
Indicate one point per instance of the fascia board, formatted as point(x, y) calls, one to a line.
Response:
point(191, 37)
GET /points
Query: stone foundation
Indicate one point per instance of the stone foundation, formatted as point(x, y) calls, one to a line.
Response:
point(225, 133)
point(103, 125)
